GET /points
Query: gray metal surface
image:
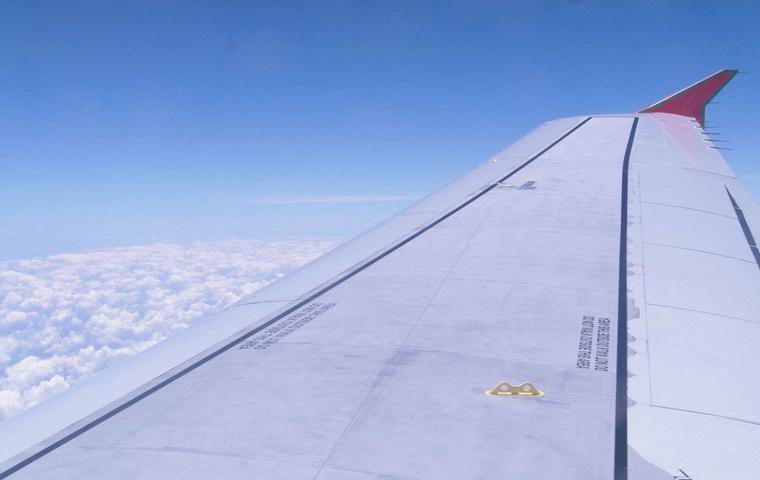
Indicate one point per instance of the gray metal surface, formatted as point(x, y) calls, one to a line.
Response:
point(372, 362)
point(386, 372)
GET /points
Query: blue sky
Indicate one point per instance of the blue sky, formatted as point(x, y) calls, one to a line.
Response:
point(135, 122)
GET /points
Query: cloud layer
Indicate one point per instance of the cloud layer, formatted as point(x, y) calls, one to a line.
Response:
point(65, 317)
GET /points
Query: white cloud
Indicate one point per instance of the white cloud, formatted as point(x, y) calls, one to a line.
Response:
point(65, 317)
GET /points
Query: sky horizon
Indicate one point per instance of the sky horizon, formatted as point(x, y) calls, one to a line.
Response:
point(143, 122)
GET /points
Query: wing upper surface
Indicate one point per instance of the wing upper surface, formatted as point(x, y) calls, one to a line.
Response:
point(373, 361)
point(378, 372)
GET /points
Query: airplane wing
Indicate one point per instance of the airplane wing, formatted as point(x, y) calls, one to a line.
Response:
point(583, 305)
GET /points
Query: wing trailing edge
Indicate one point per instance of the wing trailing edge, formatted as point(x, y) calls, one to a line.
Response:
point(692, 100)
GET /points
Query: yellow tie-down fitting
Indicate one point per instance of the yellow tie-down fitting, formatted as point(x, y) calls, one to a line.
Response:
point(525, 389)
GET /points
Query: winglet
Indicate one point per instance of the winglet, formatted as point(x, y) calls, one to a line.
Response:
point(692, 100)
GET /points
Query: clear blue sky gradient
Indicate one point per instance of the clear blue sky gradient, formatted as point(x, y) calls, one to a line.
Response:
point(143, 121)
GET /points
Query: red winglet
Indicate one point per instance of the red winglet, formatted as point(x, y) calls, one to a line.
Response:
point(692, 100)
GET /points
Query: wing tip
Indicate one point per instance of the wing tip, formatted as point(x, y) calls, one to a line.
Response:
point(692, 100)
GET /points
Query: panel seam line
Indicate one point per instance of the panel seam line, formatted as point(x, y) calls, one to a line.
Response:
point(621, 368)
point(655, 244)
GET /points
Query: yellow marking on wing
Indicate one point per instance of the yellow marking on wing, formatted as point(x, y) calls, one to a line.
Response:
point(525, 389)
